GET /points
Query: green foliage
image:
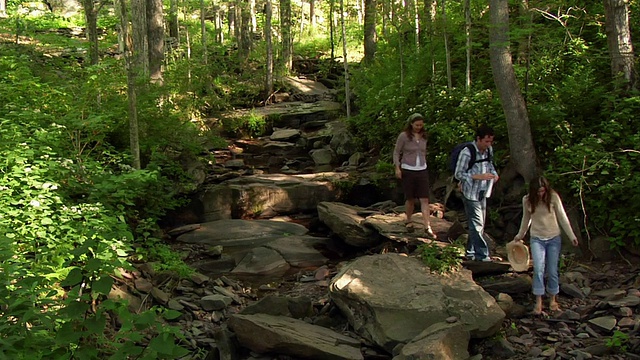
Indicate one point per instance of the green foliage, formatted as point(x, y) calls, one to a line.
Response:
point(441, 259)
point(618, 341)
point(249, 125)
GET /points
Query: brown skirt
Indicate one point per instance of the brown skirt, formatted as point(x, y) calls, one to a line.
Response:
point(415, 184)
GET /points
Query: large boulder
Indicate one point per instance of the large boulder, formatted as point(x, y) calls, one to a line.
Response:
point(390, 299)
point(344, 221)
point(268, 195)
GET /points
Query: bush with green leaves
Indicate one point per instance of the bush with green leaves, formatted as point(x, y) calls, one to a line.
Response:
point(440, 258)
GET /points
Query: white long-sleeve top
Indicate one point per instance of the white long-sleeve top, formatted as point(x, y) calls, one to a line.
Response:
point(545, 223)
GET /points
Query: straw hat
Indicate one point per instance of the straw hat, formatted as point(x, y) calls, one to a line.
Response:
point(518, 254)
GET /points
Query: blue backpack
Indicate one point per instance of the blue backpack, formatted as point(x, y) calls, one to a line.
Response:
point(455, 153)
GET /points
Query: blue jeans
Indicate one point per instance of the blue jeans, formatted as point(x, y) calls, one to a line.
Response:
point(546, 255)
point(476, 211)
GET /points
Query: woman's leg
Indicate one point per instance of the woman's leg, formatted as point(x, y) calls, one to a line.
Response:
point(426, 216)
point(554, 246)
point(538, 254)
point(409, 205)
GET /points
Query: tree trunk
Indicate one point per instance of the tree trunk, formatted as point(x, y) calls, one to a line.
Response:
point(332, 28)
point(246, 37)
point(447, 52)
point(203, 32)
point(91, 18)
point(267, 36)
point(370, 37)
point(3, 8)
point(312, 14)
point(140, 42)
point(287, 41)
point(347, 92)
point(467, 33)
point(231, 13)
point(523, 154)
point(156, 40)
point(254, 22)
point(173, 20)
point(386, 11)
point(619, 42)
point(238, 22)
point(219, 25)
point(134, 140)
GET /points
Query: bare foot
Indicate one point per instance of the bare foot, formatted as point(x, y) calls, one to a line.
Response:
point(553, 306)
point(537, 309)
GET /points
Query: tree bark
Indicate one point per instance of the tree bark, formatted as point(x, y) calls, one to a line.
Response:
point(370, 37)
point(332, 28)
point(203, 32)
point(91, 18)
point(155, 36)
point(267, 36)
point(173, 20)
point(287, 41)
point(446, 44)
point(246, 33)
point(140, 42)
point(467, 33)
point(3, 8)
point(619, 42)
point(134, 140)
point(347, 92)
point(523, 154)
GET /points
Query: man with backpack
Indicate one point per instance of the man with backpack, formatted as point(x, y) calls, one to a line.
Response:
point(477, 175)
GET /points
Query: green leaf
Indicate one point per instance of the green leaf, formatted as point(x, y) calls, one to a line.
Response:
point(171, 314)
point(96, 324)
point(102, 285)
point(73, 278)
point(163, 344)
point(46, 221)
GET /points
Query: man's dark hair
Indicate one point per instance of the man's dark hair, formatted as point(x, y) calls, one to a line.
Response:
point(484, 131)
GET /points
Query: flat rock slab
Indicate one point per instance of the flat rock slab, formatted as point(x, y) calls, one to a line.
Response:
point(241, 233)
point(282, 335)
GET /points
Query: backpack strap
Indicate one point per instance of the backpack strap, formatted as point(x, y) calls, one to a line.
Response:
point(472, 152)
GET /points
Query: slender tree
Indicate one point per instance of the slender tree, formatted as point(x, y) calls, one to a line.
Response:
point(140, 42)
point(268, 12)
point(172, 20)
point(287, 41)
point(523, 155)
point(245, 31)
point(3, 8)
point(447, 51)
point(134, 140)
point(370, 37)
point(155, 31)
point(91, 11)
point(203, 31)
point(467, 34)
point(347, 92)
point(332, 27)
point(619, 42)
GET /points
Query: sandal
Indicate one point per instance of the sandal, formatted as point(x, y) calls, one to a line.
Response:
point(430, 232)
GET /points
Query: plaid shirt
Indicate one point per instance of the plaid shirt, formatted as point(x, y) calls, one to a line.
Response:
point(474, 189)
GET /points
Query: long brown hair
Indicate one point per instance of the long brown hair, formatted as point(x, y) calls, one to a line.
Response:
point(534, 196)
point(408, 129)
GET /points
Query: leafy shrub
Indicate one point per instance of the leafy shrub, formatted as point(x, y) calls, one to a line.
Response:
point(441, 259)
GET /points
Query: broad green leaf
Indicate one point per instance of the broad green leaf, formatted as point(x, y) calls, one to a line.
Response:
point(73, 278)
point(102, 285)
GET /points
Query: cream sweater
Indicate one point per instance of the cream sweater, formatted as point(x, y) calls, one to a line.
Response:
point(545, 224)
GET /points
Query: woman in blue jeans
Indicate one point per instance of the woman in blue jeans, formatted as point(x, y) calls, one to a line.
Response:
point(542, 211)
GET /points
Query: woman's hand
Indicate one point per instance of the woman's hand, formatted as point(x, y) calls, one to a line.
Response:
point(398, 173)
point(515, 239)
point(574, 242)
